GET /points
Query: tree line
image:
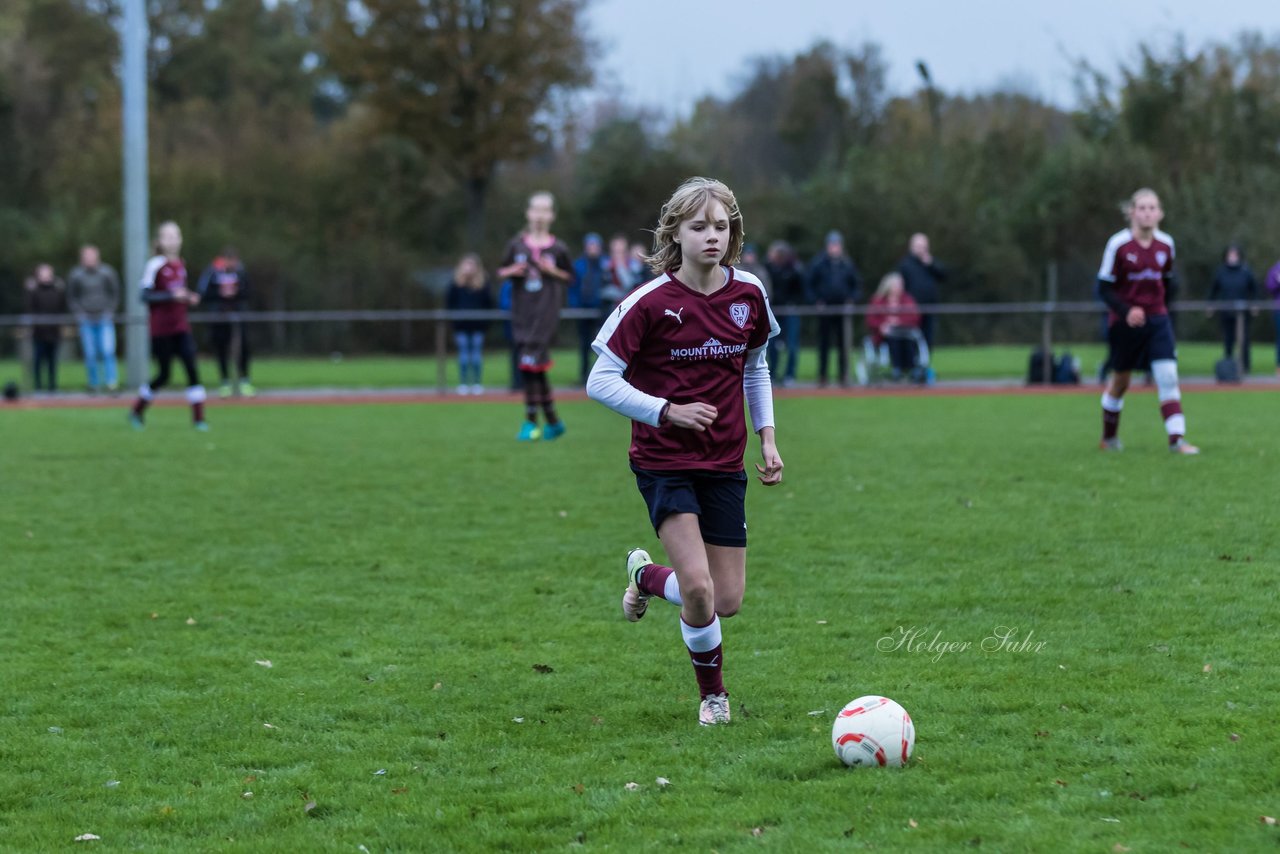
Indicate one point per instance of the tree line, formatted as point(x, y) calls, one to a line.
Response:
point(345, 148)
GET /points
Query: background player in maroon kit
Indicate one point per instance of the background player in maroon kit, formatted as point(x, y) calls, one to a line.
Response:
point(164, 289)
point(539, 267)
point(676, 357)
point(1135, 282)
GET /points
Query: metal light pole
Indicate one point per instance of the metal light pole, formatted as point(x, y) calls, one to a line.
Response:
point(136, 202)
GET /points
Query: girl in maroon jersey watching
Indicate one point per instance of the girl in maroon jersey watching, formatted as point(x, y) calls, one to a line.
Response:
point(164, 290)
point(676, 357)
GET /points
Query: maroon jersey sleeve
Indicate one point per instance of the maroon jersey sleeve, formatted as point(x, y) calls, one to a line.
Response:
point(623, 333)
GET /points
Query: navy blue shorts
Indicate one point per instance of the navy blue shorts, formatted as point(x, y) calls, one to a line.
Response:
point(1137, 347)
point(718, 499)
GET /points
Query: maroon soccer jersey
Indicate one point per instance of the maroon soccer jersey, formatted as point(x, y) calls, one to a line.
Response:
point(169, 317)
point(688, 347)
point(1140, 274)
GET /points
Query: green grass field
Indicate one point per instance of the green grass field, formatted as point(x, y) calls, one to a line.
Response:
point(449, 669)
point(1008, 362)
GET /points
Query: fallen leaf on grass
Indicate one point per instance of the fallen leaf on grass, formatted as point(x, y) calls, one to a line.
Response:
point(517, 720)
point(309, 806)
point(817, 713)
point(191, 621)
point(1062, 783)
point(1207, 668)
point(822, 622)
point(246, 795)
point(155, 615)
point(111, 784)
point(269, 726)
point(437, 686)
point(631, 787)
point(579, 789)
point(757, 831)
point(381, 772)
point(1042, 733)
point(1235, 736)
point(662, 782)
point(911, 822)
point(262, 662)
point(87, 837)
point(1119, 849)
point(1112, 820)
point(400, 791)
point(597, 720)
point(544, 668)
point(55, 730)
point(1266, 819)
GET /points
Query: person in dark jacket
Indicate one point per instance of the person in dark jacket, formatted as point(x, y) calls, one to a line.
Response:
point(1233, 280)
point(832, 281)
point(786, 273)
point(586, 291)
point(46, 294)
point(923, 275)
point(224, 288)
point(469, 291)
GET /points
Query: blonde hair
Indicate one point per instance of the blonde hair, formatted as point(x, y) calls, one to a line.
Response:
point(168, 223)
point(1127, 206)
point(887, 282)
point(476, 280)
point(689, 199)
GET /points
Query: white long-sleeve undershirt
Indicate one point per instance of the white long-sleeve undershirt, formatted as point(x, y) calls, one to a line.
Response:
point(607, 385)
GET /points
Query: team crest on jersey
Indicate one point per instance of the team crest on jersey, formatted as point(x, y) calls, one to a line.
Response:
point(739, 312)
point(1161, 257)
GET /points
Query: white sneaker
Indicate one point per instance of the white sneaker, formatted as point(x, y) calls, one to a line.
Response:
point(1112, 444)
point(477, 389)
point(714, 710)
point(462, 389)
point(634, 602)
point(1182, 446)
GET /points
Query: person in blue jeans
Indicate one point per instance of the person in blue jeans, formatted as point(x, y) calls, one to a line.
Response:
point(787, 275)
point(93, 295)
point(585, 291)
point(469, 291)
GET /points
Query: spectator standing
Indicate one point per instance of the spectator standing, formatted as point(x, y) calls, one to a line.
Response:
point(619, 278)
point(832, 281)
point(751, 262)
point(787, 277)
point(46, 294)
point(1273, 287)
point(586, 292)
point(923, 275)
point(539, 267)
point(93, 295)
point(469, 291)
point(1233, 280)
point(224, 289)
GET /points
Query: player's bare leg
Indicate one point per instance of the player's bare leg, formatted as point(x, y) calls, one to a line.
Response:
point(728, 565)
point(1112, 405)
point(699, 625)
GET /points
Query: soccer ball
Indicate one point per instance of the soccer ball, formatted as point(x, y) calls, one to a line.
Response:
point(873, 731)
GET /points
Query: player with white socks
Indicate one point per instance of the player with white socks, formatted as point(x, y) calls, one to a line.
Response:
point(677, 357)
point(1135, 281)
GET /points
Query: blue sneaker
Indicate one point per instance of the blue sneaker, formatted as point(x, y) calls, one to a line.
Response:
point(553, 431)
point(202, 426)
point(136, 422)
point(529, 432)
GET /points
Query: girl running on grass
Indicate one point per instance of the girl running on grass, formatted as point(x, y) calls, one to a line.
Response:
point(676, 357)
point(164, 289)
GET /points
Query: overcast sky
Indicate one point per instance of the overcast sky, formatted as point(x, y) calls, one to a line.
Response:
point(666, 53)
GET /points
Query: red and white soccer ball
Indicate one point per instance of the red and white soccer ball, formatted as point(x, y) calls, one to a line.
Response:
point(873, 731)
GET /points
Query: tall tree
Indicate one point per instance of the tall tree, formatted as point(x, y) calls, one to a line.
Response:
point(468, 81)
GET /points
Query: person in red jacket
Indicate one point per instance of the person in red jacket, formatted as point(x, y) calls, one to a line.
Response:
point(891, 316)
point(164, 290)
